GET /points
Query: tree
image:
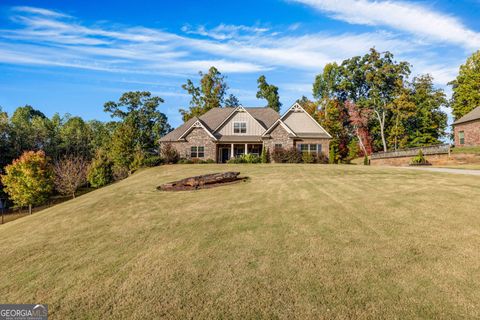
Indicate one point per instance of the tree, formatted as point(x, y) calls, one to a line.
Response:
point(359, 120)
point(76, 137)
point(427, 123)
point(123, 145)
point(29, 179)
point(70, 174)
point(23, 134)
point(466, 87)
point(268, 92)
point(5, 142)
point(377, 80)
point(332, 113)
point(232, 101)
point(210, 94)
point(140, 110)
point(100, 172)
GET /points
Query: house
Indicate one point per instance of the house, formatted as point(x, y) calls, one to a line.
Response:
point(467, 129)
point(224, 133)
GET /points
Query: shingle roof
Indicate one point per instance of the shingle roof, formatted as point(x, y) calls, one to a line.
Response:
point(472, 115)
point(214, 117)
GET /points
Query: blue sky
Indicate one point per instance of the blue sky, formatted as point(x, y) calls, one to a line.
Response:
point(72, 56)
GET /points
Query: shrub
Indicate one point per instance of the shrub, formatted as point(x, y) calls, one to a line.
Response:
point(293, 155)
point(419, 159)
point(366, 161)
point(246, 158)
point(264, 156)
point(321, 158)
point(308, 158)
point(185, 161)
point(100, 172)
point(169, 153)
point(120, 172)
point(152, 161)
point(207, 161)
point(138, 161)
point(332, 158)
point(29, 179)
point(70, 174)
point(279, 155)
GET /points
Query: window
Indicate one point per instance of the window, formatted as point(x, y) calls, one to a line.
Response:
point(278, 146)
point(461, 136)
point(239, 127)
point(197, 151)
point(310, 148)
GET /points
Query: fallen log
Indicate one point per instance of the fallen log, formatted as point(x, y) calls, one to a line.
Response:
point(203, 181)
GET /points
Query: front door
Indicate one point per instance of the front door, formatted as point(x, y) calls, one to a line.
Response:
point(225, 155)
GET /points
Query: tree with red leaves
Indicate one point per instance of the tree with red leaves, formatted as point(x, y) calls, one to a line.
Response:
point(359, 120)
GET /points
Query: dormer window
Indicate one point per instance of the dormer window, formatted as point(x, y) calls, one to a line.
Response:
point(239, 127)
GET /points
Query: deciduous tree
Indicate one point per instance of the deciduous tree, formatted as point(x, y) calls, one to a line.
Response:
point(210, 94)
point(268, 92)
point(70, 174)
point(29, 179)
point(466, 87)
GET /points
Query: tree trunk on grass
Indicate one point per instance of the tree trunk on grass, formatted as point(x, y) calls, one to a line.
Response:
point(200, 181)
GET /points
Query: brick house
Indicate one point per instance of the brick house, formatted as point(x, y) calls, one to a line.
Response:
point(224, 133)
point(467, 129)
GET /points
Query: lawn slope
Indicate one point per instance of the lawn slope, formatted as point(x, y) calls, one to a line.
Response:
point(295, 241)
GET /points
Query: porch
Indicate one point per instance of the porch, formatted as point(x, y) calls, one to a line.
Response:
point(231, 150)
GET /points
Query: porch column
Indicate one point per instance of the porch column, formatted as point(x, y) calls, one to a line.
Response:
point(246, 147)
point(232, 154)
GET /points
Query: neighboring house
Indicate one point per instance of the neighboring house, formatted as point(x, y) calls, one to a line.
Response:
point(467, 129)
point(224, 133)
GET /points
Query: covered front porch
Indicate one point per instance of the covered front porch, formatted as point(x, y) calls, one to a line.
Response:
point(227, 151)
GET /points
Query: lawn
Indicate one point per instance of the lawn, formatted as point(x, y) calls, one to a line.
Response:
point(295, 241)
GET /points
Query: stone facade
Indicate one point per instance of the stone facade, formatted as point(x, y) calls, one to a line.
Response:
point(197, 137)
point(278, 136)
point(471, 132)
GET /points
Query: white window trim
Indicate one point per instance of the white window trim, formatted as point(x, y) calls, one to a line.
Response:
point(245, 122)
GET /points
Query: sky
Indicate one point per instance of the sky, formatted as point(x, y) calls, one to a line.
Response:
point(73, 56)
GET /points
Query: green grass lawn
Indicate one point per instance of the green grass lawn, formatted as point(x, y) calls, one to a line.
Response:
point(463, 166)
point(295, 241)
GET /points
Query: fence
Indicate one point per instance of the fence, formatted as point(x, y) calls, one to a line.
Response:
point(411, 152)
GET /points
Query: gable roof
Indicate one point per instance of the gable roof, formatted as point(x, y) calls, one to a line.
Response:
point(471, 116)
point(197, 124)
point(216, 116)
point(296, 107)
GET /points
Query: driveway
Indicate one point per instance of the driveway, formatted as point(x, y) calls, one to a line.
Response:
point(446, 170)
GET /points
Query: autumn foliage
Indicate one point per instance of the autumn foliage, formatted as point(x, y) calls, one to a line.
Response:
point(29, 179)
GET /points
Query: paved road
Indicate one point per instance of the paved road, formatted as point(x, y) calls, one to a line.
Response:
point(446, 170)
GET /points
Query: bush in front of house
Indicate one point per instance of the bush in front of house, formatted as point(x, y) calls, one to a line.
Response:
point(169, 154)
point(264, 156)
point(308, 158)
point(246, 158)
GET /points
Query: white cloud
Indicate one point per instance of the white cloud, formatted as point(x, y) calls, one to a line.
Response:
point(224, 31)
point(413, 18)
point(45, 38)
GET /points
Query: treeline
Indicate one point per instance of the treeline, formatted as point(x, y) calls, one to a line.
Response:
point(100, 151)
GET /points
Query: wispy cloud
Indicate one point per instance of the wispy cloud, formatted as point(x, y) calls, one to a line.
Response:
point(224, 31)
point(50, 38)
point(416, 19)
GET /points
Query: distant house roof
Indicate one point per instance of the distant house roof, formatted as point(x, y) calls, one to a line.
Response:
point(471, 116)
point(214, 117)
